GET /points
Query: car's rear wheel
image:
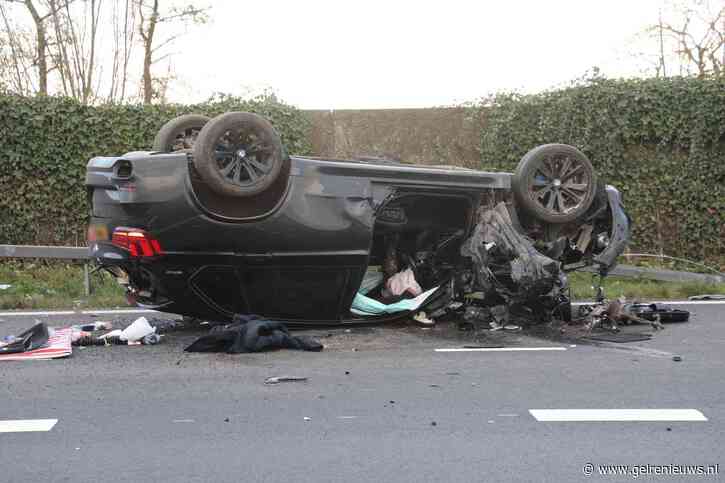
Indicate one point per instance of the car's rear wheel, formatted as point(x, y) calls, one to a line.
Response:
point(239, 154)
point(555, 183)
point(179, 133)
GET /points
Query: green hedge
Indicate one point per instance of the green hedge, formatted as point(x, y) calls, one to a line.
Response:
point(45, 143)
point(660, 141)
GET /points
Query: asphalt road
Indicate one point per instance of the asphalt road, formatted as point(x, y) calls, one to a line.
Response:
point(380, 404)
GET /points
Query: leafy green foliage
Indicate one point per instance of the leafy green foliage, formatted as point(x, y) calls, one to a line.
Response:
point(47, 141)
point(660, 141)
point(55, 285)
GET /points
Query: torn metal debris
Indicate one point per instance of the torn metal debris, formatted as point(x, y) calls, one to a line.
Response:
point(514, 279)
point(279, 379)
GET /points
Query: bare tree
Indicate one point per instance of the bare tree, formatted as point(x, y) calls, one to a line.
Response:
point(693, 35)
point(17, 54)
point(40, 12)
point(88, 49)
point(40, 59)
point(151, 18)
point(124, 29)
point(75, 52)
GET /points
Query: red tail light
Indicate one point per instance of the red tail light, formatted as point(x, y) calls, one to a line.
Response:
point(137, 242)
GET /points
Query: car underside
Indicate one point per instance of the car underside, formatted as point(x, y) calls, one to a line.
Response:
point(218, 220)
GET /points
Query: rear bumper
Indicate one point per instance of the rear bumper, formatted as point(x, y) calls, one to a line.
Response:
point(138, 276)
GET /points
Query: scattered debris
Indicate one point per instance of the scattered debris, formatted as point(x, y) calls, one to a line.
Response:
point(422, 318)
point(35, 337)
point(98, 325)
point(278, 379)
point(139, 329)
point(476, 318)
point(58, 344)
point(608, 315)
point(139, 332)
point(114, 333)
point(165, 326)
point(620, 337)
point(151, 339)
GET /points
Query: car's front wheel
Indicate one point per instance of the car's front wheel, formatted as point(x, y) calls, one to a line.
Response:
point(554, 183)
point(239, 154)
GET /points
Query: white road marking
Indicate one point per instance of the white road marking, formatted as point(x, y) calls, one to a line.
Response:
point(670, 302)
point(347, 417)
point(73, 312)
point(617, 415)
point(26, 425)
point(183, 421)
point(21, 314)
point(500, 349)
point(118, 311)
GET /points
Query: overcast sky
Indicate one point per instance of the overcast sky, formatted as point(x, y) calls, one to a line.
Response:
point(399, 53)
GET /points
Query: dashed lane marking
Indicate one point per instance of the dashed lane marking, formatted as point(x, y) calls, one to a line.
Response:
point(500, 349)
point(593, 415)
point(26, 425)
point(119, 311)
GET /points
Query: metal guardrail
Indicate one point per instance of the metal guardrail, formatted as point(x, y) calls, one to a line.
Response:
point(63, 253)
point(666, 275)
point(662, 275)
point(30, 251)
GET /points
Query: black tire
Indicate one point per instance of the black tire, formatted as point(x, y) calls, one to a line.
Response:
point(179, 133)
point(667, 315)
point(554, 183)
point(239, 154)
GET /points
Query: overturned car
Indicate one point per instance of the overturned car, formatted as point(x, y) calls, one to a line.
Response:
point(218, 219)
